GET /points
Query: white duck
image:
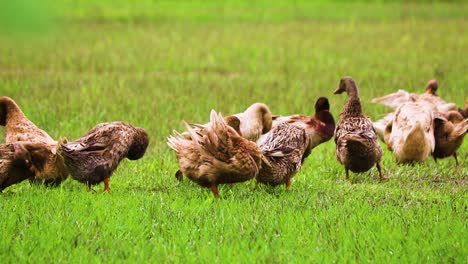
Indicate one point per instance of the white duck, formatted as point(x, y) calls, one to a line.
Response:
point(410, 134)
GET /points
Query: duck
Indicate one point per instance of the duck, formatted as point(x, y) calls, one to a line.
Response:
point(93, 158)
point(320, 127)
point(357, 146)
point(18, 128)
point(255, 121)
point(284, 147)
point(410, 134)
point(430, 96)
point(251, 124)
point(20, 161)
point(216, 154)
point(448, 135)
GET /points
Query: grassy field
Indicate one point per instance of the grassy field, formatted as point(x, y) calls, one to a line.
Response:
point(154, 64)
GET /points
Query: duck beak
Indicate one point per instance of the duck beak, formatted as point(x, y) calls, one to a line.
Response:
point(336, 91)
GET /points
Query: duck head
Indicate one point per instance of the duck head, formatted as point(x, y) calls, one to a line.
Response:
point(322, 104)
point(347, 84)
point(139, 145)
point(262, 112)
point(322, 113)
point(431, 87)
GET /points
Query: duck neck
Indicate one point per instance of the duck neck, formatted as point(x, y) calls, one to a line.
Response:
point(326, 117)
point(353, 105)
point(8, 111)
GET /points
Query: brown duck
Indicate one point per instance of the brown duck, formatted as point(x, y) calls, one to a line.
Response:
point(320, 127)
point(250, 124)
point(93, 158)
point(449, 136)
point(356, 142)
point(216, 154)
point(19, 128)
point(284, 147)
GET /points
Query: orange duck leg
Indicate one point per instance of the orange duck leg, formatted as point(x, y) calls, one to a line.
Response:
point(214, 190)
point(106, 185)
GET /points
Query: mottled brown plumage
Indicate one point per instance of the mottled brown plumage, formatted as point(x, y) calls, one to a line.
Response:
point(20, 161)
point(250, 124)
point(356, 142)
point(19, 128)
point(448, 137)
point(320, 127)
point(216, 154)
point(93, 158)
point(284, 147)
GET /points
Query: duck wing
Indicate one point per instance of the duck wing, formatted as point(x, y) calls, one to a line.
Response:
point(285, 140)
point(394, 100)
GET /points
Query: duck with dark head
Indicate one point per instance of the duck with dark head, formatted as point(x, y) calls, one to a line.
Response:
point(319, 128)
point(93, 158)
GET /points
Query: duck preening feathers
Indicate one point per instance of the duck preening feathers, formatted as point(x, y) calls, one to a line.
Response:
point(93, 158)
point(216, 154)
point(19, 128)
point(320, 127)
point(284, 147)
point(357, 147)
point(255, 121)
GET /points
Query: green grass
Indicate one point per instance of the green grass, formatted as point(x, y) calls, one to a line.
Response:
point(156, 64)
